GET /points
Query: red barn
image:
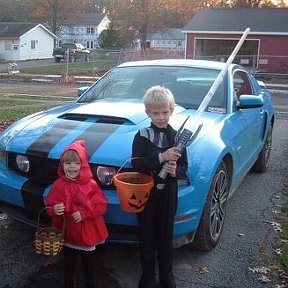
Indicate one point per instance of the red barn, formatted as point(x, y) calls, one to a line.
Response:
point(213, 34)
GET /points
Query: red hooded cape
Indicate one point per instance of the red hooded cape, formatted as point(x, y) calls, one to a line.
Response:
point(82, 194)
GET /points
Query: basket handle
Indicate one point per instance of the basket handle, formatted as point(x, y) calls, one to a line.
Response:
point(126, 161)
point(129, 159)
point(39, 215)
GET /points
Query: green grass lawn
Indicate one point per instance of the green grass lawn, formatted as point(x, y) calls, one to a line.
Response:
point(92, 68)
point(16, 106)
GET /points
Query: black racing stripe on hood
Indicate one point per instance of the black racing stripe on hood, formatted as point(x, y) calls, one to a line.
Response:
point(32, 194)
point(96, 134)
point(43, 145)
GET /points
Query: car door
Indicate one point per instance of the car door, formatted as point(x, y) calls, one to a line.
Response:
point(248, 123)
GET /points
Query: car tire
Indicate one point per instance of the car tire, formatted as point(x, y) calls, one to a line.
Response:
point(214, 213)
point(57, 59)
point(261, 165)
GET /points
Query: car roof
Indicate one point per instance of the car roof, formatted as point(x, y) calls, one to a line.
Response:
point(176, 62)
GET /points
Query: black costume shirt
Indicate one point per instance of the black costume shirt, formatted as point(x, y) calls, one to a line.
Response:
point(147, 144)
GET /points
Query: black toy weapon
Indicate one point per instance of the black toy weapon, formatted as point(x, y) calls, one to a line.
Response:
point(183, 138)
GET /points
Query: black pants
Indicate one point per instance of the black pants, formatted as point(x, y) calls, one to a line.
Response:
point(156, 231)
point(88, 261)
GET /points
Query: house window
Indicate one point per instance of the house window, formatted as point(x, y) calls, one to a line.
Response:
point(90, 30)
point(33, 44)
point(89, 44)
point(8, 45)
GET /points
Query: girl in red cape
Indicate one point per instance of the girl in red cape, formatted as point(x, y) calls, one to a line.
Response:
point(76, 197)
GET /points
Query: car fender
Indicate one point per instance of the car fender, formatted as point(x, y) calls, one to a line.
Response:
point(203, 161)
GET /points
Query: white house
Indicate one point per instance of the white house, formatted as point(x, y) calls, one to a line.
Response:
point(23, 41)
point(168, 38)
point(84, 29)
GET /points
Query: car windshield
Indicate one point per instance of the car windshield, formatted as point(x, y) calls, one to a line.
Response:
point(189, 85)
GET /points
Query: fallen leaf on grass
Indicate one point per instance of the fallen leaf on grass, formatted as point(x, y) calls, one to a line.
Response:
point(264, 279)
point(202, 270)
point(263, 270)
point(278, 251)
point(4, 124)
point(276, 226)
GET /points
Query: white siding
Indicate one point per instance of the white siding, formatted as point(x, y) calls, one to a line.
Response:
point(78, 34)
point(36, 44)
point(103, 25)
point(9, 49)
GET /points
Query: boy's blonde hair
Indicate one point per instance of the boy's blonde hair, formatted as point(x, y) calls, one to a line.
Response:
point(158, 96)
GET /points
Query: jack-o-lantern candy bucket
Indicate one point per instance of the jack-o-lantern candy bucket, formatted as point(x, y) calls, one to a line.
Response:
point(133, 190)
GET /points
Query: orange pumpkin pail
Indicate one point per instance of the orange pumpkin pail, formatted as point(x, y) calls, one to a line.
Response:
point(133, 190)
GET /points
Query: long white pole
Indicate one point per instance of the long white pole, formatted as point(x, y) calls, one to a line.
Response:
point(222, 73)
point(206, 100)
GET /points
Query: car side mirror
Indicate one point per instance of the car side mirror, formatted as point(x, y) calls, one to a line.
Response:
point(249, 101)
point(81, 90)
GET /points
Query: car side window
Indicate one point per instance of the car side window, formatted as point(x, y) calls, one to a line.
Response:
point(242, 84)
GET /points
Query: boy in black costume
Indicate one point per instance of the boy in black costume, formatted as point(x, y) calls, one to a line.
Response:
point(153, 150)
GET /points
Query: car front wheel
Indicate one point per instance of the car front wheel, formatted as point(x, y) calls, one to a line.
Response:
point(214, 213)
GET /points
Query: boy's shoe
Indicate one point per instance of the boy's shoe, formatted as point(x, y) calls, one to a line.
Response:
point(147, 282)
point(168, 281)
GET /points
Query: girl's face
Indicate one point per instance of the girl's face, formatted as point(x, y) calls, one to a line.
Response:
point(159, 115)
point(71, 168)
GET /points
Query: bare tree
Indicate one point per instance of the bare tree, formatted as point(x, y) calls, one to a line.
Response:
point(254, 3)
point(54, 13)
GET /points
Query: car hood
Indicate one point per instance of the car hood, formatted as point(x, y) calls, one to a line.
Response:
point(106, 126)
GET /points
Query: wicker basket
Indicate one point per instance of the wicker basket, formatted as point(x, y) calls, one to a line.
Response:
point(48, 241)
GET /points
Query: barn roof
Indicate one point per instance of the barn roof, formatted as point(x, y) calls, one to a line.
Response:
point(234, 20)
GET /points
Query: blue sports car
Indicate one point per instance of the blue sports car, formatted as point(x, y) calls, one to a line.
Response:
point(235, 137)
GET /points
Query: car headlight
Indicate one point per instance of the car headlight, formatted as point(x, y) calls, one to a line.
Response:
point(105, 174)
point(23, 163)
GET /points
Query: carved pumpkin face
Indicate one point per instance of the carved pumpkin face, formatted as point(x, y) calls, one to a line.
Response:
point(138, 200)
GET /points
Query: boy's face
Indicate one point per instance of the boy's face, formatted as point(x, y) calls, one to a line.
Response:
point(159, 115)
point(71, 169)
